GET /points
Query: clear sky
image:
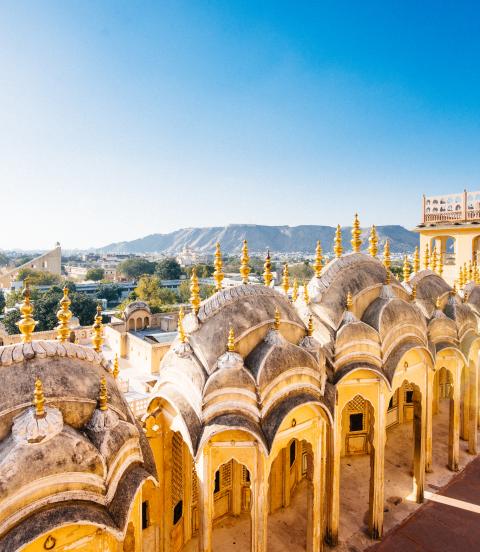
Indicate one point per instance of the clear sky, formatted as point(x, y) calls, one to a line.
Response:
point(125, 118)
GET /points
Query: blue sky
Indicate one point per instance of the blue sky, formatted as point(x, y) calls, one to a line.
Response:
point(125, 118)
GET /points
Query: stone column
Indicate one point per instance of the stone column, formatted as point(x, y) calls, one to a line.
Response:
point(205, 500)
point(333, 479)
point(259, 509)
point(430, 401)
point(419, 431)
point(473, 407)
point(377, 467)
point(454, 426)
point(315, 502)
point(167, 516)
point(465, 403)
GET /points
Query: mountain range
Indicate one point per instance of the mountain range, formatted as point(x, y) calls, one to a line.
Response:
point(279, 239)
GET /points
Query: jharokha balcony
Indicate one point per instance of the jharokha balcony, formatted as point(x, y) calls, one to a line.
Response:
point(463, 207)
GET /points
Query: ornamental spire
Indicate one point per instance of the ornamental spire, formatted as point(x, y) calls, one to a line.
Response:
point(194, 291)
point(387, 260)
point(63, 316)
point(440, 264)
point(97, 338)
point(285, 279)
point(470, 271)
point(306, 296)
point(276, 322)
point(318, 265)
point(181, 331)
point(373, 241)
point(438, 304)
point(39, 399)
point(103, 395)
point(416, 260)
point(310, 326)
point(406, 270)
point(267, 273)
point(218, 274)
point(461, 278)
point(356, 240)
point(349, 301)
point(231, 341)
point(434, 260)
point(244, 260)
point(26, 324)
point(295, 290)
point(476, 273)
point(338, 249)
point(426, 257)
point(414, 292)
point(115, 370)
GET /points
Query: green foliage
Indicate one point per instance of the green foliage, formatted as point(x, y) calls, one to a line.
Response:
point(2, 301)
point(95, 274)
point(302, 271)
point(184, 291)
point(19, 261)
point(38, 278)
point(203, 270)
point(110, 292)
point(397, 270)
point(134, 268)
point(9, 321)
point(148, 289)
point(168, 269)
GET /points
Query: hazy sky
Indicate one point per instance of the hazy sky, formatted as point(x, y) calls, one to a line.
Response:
point(125, 118)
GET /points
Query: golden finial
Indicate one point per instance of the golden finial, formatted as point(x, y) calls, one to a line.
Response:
point(39, 399)
point(194, 291)
point(373, 240)
point(295, 290)
point(317, 267)
point(433, 259)
point(414, 292)
point(116, 369)
point(26, 324)
point(338, 249)
point(438, 304)
point(97, 328)
point(406, 269)
point(470, 271)
point(276, 323)
point(63, 316)
point(244, 260)
point(181, 331)
point(310, 326)
point(218, 274)
point(476, 273)
point(387, 262)
point(103, 395)
point(306, 296)
point(231, 341)
point(426, 257)
point(461, 278)
point(349, 301)
point(285, 279)
point(440, 264)
point(416, 260)
point(454, 289)
point(267, 273)
point(356, 233)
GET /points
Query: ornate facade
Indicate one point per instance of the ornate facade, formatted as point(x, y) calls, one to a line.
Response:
point(257, 397)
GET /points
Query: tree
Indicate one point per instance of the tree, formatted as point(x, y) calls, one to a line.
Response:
point(134, 268)
point(184, 291)
point(302, 271)
point(19, 261)
point(168, 269)
point(10, 320)
point(203, 270)
point(2, 302)
point(38, 277)
point(110, 292)
point(149, 290)
point(96, 274)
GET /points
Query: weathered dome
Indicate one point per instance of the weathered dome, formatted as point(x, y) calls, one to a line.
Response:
point(135, 306)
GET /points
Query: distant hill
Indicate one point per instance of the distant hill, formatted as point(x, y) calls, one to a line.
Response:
point(281, 239)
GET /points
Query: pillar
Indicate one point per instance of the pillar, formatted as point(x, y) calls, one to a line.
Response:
point(314, 498)
point(454, 426)
point(419, 432)
point(431, 400)
point(333, 478)
point(205, 500)
point(259, 510)
point(473, 407)
point(166, 463)
point(377, 468)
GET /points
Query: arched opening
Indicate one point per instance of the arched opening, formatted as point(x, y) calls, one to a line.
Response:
point(138, 323)
point(150, 519)
point(404, 455)
point(446, 247)
point(131, 324)
point(146, 322)
point(443, 430)
point(356, 467)
point(290, 491)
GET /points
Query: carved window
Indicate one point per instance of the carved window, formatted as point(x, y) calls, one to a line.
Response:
point(177, 469)
point(356, 422)
point(145, 515)
point(293, 452)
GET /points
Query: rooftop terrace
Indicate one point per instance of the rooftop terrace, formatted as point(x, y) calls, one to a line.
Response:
point(451, 208)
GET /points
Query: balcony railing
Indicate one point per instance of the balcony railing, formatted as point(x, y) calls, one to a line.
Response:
point(454, 208)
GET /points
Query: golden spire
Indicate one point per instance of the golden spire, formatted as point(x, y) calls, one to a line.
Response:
point(476, 273)
point(356, 240)
point(414, 292)
point(231, 341)
point(295, 290)
point(318, 265)
point(470, 271)
point(181, 331)
point(349, 301)
point(39, 399)
point(306, 297)
point(387, 262)
point(426, 257)
point(416, 260)
point(115, 370)
point(103, 395)
point(218, 274)
point(433, 259)
point(97, 327)
point(63, 316)
point(285, 279)
point(461, 278)
point(454, 289)
point(373, 240)
point(406, 269)
point(267, 273)
point(244, 259)
point(276, 323)
point(338, 249)
point(438, 304)
point(310, 326)
point(26, 324)
point(440, 264)
point(194, 291)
